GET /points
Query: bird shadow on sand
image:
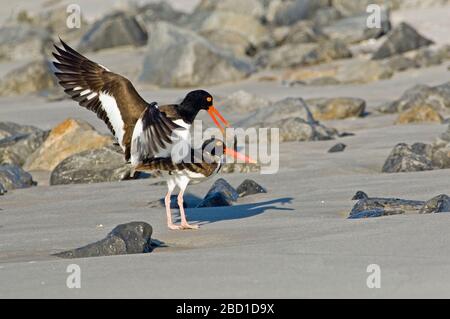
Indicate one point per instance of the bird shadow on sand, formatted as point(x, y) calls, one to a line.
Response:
point(210, 215)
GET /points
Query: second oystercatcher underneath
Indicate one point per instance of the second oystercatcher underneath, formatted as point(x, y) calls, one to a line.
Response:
point(198, 166)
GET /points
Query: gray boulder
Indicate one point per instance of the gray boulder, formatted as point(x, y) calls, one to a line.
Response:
point(246, 25)
point(105, 164)
point(254, 8)
point(16, 149)
point(3, 190)
point(130, 238)
point(363, 71)
point(177, 57)
point(233, 43)
point(401, 39)
point(158, 11)
point(13, 176)
point(294, 120)
point(437, 97)
point(289, 12)
point(241, 102)
point(33, 77)
point(405, 158)
point(114, 30)
point(293, 55)
point(354, 29)
point(8, 129)
point(23, 41)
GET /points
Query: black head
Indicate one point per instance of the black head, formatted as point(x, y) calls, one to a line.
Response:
point(194, 102)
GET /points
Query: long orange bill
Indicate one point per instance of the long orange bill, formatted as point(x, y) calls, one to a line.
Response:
point(237, 155)
point(212, 111)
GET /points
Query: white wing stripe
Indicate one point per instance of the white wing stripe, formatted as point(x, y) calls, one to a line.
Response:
point(109, 105)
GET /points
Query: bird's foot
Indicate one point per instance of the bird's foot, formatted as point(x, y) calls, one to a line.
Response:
point(174, 227)
point(188, 226)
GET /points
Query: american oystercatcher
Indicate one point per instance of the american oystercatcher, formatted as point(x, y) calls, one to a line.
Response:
point(197, 167)
point(143, 130)
point(146, 132)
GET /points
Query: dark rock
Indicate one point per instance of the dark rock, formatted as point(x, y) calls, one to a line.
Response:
point(220, 194)
point(33, 77)
point(250, 187)
point(339, 147)
point(17, 148)
point(402, 39)
point(176, 57)
point(405, 158)
point(12, 177)
point(117, 29)
point(130, 238)
point(438, 204)
point(360, 195)
point(10, 129)
point(23, 41)
point(378, 206)
point(105, 164)
point(3, 190)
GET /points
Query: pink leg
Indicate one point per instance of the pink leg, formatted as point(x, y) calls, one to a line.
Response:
point(170, 224)
point(184, 223)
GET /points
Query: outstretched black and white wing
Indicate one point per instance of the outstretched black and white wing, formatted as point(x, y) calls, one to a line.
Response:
point(111, 96)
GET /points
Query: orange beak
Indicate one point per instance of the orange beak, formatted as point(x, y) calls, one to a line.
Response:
point(237, 155)
point(212, 111)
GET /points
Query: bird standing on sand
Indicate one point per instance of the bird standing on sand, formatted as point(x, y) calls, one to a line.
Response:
point(197, 167)
point(145, 131)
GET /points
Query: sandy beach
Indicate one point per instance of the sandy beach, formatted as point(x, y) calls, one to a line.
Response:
point(295, 241)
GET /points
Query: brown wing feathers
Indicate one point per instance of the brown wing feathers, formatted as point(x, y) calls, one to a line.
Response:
point(84, 80)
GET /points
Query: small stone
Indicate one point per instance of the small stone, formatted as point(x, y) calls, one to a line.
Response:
point(340, 147)
point(3, 190)
point(438, 204)
point(360, 195)
point(250, 187)
point(130, 238)
point(221, 193)
point(13, 176)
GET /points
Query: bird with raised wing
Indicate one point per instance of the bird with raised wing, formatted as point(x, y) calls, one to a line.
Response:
point(146, 132)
